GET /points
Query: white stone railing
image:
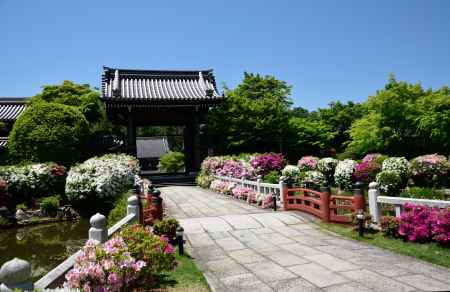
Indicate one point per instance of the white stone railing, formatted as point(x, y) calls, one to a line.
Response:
point(258, 186)
point(375, 200)
point(16, 273)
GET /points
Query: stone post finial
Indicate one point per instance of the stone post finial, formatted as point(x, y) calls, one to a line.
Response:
point(373, 185)
point(133, 207)
point(98, 230)
point(16, 274)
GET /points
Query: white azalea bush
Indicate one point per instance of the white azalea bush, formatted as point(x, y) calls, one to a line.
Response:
point(34, 180)
point(101, 178)
point(314, 177)
point(291, 172)
point(327, 166)
point(399, 165)
point(344, 173)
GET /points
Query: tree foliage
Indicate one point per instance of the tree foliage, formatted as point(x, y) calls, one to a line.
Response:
point(49, 131)
point(254, 116)
point(401, 117)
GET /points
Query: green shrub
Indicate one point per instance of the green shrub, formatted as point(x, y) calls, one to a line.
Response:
point(273, 177)
point(389, 226)
point(424, 193)
point(167, 227)
point(389, 182)
point(49, 206)
point(172, 161)
point(49, 132)
point(21, 206)
point(120, 208)
point(203, 180)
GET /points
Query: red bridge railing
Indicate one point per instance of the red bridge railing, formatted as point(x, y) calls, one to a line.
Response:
point(329, 208)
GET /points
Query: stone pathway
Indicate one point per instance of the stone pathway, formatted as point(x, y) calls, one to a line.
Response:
point(243, 248)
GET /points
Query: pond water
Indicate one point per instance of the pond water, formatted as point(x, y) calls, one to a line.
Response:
point(44, 246)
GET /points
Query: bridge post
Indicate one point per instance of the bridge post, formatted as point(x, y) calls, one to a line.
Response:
point(283, 193)
point(358, 197)
point(325, 198)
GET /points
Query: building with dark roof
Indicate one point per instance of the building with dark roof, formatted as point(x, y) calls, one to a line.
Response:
point(150, 149)
point(161, 98)
point(10, 110)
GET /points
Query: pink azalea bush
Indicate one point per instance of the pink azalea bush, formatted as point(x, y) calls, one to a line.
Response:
point(211, 165)
point(267, 162)
point(219, 186)
point(429, 170)
point(129, 260)
point(267, 202)
point(243, 193)
point(307, 163)
point(422, 223)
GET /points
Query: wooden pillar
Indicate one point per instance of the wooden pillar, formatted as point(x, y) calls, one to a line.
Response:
point(131, 133)
point(196, 151)
point(188, 147)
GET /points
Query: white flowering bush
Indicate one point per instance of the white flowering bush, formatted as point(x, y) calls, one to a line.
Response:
point(343, 173)
point(291, 172)
point(327, 167)
point(314, 177)
point(399, 165)
point(104, 177)
point(34, 180)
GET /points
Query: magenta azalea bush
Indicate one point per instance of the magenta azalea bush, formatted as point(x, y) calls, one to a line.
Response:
point(440, 227)
point(421, 223)
point(267, 162)
point(429, 170)
point(366, 171)
point(307, 163)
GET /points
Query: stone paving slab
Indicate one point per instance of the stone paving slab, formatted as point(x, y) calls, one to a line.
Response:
point(243, 248)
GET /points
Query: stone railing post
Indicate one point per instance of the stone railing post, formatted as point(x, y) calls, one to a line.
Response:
point(258, 184)
point(358, 197)
point(16, 274)
point(325, 198)
point(374, 211)
point(133, 207)
point(98, 230)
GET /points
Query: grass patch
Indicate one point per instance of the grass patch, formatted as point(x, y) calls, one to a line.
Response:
point(120, 208)
point(186, 277)
point(430, 252)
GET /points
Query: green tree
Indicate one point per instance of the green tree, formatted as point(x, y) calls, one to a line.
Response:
point(307, 136)
point(339, 118)
point(82, 96)
point(404, 119)
point(254, 116)
point(49, 131)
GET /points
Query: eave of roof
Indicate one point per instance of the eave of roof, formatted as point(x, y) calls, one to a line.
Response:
point(159, 86)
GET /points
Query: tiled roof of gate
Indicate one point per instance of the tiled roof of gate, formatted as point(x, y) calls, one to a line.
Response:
point(11, 108)
point(158, 85)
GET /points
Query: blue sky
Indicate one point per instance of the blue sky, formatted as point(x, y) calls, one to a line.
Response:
point(327, 50)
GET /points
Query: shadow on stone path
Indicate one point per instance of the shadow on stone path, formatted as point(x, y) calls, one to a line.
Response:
point(244, 248)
